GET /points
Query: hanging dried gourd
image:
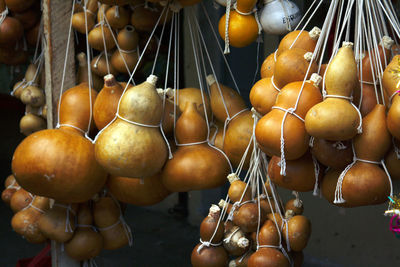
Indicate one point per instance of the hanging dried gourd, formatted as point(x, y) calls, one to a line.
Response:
point(58, 223)
point(60, 163)
point(335, 118)
point(109, 220)
point(11, 29)
point(363, 182)
point(125, 59)
point(263, 95)
point(118, 17)
point(265, 257)
point(192, 95)
point(127, 146)
point(293, 65)
point(85, 22)
point(300, 173)
point(195, 165)
point(299, 39)
point(25, 222)
point(86, 243)
point(106, 103)
point(298, 97)
point(242, 25)
point(336, 155)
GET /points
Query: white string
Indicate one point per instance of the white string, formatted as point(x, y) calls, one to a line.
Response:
point(104, 40)
point(3, 15)
point(131, 78)
point(395, 148)
point(65, 62)
point(121, 220)
point(227, 14)
point(159, 43)
point(219, 47)
point(121, 52)
point(68, 227)
point(316, 174)
point(89, 73)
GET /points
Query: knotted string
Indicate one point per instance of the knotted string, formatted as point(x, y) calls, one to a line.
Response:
point(227, 15)
point(3, 15)
point(207, 244)
point(283, 159)
point(121, 220)
point(68, 227)
point(32, 206)
point(338, 192)
point(316, 173)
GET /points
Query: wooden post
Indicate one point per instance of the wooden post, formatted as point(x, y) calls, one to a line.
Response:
point(56, 23)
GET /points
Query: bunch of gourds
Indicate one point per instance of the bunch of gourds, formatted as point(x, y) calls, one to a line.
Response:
point(84, 229)
point(115, 30)
point(250, 231)
point(29, 92)
point(19, 26)
point(294, 116)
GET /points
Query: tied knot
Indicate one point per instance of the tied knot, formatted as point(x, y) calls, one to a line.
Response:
point(207, 244)
point(255, 115)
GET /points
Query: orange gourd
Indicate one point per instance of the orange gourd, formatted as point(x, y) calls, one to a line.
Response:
point(209, 256)
point(366, 183)
point(118, 17)
point(266, 257)
point(58, 223)
point(11, 30)
point(98, 65)
point(86, 243)
point(268, 129)
point(193, 95)
point(242, 29)
point(297, 231)
point(107, 218)
point(292, 65)
point(100, 38)
point(336, 155)
point(263, 95)
point(370, 73)
point(304, 40)
point(85, 23)
point(106, 104)
point(25, 222)
point(60, 163)
point(194, 166)
point(300, 174)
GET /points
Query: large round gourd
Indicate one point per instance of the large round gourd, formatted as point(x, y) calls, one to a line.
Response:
point(60, 163)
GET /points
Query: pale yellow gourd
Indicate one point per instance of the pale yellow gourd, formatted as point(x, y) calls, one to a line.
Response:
point(126, 148)
point(335, 118)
